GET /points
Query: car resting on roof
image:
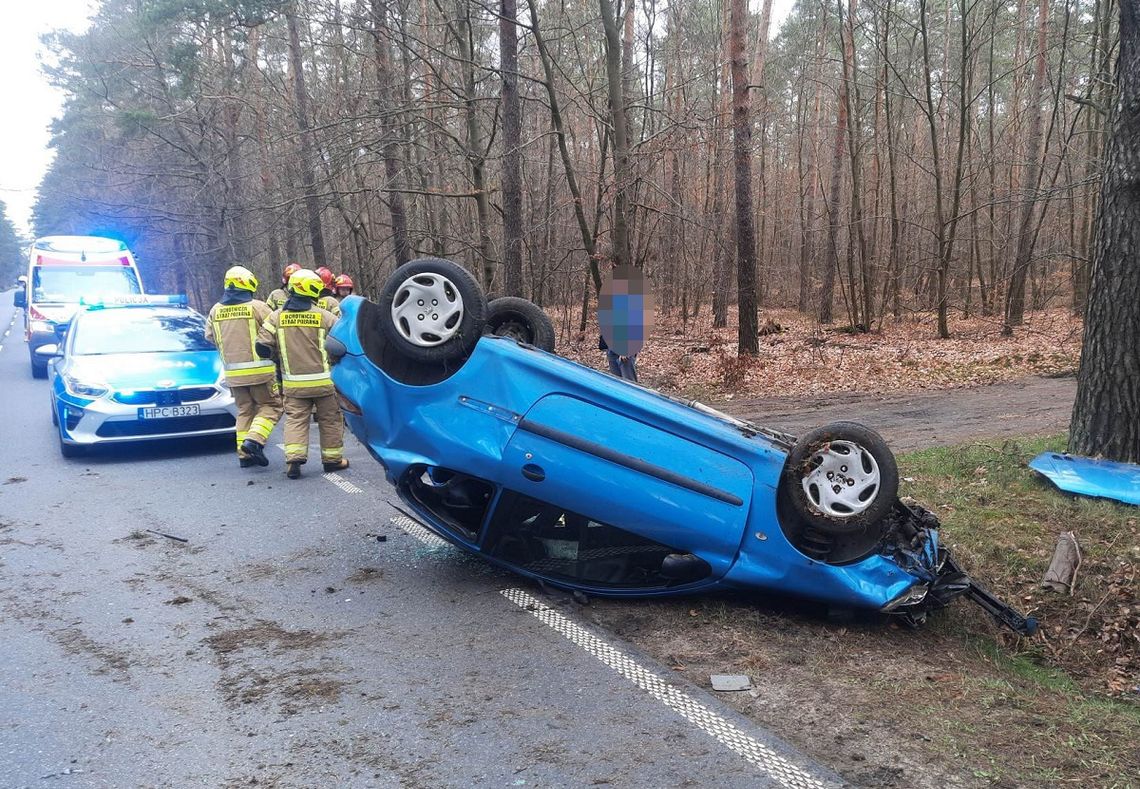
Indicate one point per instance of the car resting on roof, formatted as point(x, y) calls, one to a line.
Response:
point(584, 481)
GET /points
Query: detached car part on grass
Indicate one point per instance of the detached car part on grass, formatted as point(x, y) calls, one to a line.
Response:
point(579, 479)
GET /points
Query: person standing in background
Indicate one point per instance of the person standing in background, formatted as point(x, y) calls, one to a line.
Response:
point(625, 318)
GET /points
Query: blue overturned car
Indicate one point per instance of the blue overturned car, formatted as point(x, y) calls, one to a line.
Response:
point(584, 481)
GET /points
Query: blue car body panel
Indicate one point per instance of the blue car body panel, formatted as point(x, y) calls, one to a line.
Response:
point(1090, 477)
point(608, 450)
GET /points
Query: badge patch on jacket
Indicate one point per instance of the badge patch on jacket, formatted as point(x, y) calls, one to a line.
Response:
point(308, 318)
point(234, 312)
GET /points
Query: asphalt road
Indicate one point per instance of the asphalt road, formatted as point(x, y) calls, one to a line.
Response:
point(284, 644)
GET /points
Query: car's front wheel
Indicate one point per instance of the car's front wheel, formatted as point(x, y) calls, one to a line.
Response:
point(522, 320)
point(71, 450)
point(841, 478)
point(432, 310)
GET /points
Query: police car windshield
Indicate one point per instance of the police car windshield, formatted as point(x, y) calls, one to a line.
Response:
point(139, 330)
point(68, 284)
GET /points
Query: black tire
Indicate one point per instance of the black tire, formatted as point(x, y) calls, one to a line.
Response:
point(805, 457)
point(525, 321)
point(54, 414)
point(39, 369)
point(458, 284)
point(71, 450)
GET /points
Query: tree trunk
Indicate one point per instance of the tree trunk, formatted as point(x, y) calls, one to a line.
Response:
point(1015, 298)
point(386, 111)
point(827, 290)
point(308, 147)
point(512, 139)
point(1106, 414)
point(723, 261)
point(622, 254)
point(748, 339)
point(564, 148)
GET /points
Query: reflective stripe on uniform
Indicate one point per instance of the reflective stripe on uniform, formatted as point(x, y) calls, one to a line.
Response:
point(332, 453)
point(305, 376)
point(261, 427)
point(283, 350)
point(257, 364)
point(296, 451)
point(324, 380)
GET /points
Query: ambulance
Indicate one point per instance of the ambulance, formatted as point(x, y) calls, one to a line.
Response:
point(62, 271)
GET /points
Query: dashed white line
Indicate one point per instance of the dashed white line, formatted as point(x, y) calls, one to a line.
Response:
point(752, 750)
point(342, 483)
point(419, 532)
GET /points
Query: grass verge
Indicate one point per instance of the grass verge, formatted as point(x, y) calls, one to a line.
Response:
point(960, 702)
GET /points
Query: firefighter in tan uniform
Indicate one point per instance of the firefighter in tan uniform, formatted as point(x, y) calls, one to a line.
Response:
point(232, 325)
point(297, 332)
point(279, 295)
point(328, 300)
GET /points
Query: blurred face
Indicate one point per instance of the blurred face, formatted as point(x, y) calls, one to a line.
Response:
point(625, 310)
point(344, 291)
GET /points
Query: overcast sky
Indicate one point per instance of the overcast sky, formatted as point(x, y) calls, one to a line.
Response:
point(29, 103)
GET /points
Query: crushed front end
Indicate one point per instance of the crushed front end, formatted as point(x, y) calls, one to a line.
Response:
point(912, 543)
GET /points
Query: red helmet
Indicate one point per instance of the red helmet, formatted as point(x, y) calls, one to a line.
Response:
point(344, 281)
point(290, 270)
point(326, 276)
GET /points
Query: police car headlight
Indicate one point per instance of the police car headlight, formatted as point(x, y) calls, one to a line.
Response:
point(42, 327)
point(84, 388)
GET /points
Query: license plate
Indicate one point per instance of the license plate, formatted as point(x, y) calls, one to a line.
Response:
point(169, 411)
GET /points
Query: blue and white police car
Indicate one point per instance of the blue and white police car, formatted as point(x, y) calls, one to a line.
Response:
point(134, 370)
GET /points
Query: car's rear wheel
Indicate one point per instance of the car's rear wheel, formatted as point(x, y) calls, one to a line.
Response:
point(522, 320)
point(432, 310)
point(840, 478)
point(39, 369)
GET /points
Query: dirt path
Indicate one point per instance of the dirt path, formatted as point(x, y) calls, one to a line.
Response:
point(913, 420)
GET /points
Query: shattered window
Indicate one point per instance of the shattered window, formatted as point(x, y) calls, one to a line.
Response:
point(552, 541)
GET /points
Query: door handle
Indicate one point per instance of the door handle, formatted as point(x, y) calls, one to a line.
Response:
point(533, 472)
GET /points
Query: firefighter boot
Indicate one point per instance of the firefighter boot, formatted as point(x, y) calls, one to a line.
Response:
point(336, 465)
point(255, 452)
point(293, 471)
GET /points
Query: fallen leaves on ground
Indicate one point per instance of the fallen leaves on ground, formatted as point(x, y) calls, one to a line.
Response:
point(799, 356)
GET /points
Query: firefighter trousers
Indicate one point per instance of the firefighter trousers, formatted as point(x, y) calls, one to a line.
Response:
point(330, 425)
point(258, 412)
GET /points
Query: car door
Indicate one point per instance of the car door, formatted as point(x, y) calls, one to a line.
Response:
point(631, 482)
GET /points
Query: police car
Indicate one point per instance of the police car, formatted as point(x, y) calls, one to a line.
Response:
point(136, 369)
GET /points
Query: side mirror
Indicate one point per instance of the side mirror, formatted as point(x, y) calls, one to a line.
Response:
point(20, 298)
point(50, 351)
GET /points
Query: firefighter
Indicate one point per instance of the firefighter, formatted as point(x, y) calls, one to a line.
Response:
point(327, 300)
point(278, 296)
point(343, 286)
point(297, 332)
point(232, 325)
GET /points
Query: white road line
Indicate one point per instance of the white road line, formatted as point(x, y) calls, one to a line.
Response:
point(419, 532)
point(341, 482)
point(778, 767)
